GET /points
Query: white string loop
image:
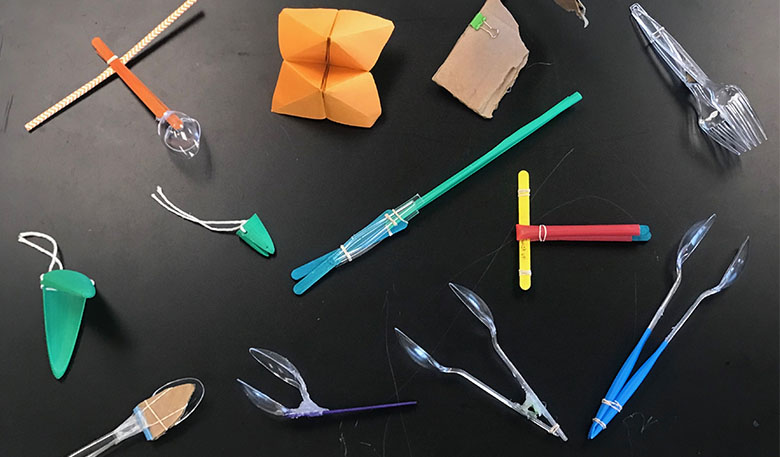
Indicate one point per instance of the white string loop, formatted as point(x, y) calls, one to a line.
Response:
point(600, 423)
point(54, 250)
point(211, 225)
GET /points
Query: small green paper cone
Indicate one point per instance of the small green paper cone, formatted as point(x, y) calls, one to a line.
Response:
point(64, 295)
point(253, 233)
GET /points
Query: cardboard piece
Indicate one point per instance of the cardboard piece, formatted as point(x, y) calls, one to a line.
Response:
point(161, 411)
point(574, 6)
point(327, 56)
point(485, 61)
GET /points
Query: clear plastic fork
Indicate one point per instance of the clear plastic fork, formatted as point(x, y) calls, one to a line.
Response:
point(724, 110)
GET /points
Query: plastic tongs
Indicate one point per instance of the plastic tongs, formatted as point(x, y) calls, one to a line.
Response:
point(286, 371)
point(532, 408)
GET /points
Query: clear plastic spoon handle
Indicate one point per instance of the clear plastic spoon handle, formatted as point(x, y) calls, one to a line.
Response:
point(517, 407)
point(535, 401)
point(128, 428)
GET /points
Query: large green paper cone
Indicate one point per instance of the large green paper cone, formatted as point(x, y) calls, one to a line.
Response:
point(64, 295)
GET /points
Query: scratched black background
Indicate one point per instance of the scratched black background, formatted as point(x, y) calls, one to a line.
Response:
point(177, 300)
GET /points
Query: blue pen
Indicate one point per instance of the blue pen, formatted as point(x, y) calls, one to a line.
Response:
point(733, 271)
point(610, 402)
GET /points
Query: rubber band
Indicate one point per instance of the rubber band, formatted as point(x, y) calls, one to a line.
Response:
point(554, 429)
point(346, 253)
point(542, 228)
point(387, 216)
point(524, 272)
point(399, 217)
point(612, 404)
point(53, 253)
point(523, 192)
point(658, 32)
point(601, 424)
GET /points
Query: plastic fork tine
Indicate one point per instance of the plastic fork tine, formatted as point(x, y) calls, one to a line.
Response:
point(743, 125)
point(742, 105)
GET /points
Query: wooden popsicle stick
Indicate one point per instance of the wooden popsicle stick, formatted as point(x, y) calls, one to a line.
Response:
point(157, 107)
point(524, 218)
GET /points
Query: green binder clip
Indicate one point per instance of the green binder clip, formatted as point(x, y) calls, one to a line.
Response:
point(65, 293)
point(480, 23)
point(251, 231)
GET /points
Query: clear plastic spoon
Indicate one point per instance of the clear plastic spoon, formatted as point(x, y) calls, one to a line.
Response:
point(136, 424)
point(425, 360)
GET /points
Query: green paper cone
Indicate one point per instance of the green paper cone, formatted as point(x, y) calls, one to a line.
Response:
point(64, 295)
point(253, 233)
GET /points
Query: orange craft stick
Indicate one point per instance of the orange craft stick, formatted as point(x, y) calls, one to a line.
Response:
point(157, 107)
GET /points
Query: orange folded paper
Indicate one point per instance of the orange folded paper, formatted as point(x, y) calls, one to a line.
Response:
point(327, 57)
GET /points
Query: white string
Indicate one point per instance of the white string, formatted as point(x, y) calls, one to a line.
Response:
point(523, 192)
point(185, 215)
point(525, 272)
point(53, 253)
point(612, 404)
point(601, 424)
point(554, 429)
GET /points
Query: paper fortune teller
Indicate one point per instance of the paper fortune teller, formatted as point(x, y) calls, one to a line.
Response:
point(328, 54)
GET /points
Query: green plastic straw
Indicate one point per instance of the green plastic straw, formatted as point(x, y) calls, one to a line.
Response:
point(499, 149)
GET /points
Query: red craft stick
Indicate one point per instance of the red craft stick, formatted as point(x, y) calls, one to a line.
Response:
point(616, 232)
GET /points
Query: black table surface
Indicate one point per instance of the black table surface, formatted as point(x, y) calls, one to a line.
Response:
point(177, 300)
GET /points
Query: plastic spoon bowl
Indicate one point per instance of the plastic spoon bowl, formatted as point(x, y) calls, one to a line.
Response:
point(184, 141)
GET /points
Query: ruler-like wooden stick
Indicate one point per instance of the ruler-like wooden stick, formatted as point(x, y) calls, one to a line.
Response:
point(76, 94)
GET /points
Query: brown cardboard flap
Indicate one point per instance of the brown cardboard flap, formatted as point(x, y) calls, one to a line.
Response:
point(480, 69)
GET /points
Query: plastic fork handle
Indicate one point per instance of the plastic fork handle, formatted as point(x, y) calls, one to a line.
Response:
point(622, 376)
point(633, 383)
point(670, 50)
